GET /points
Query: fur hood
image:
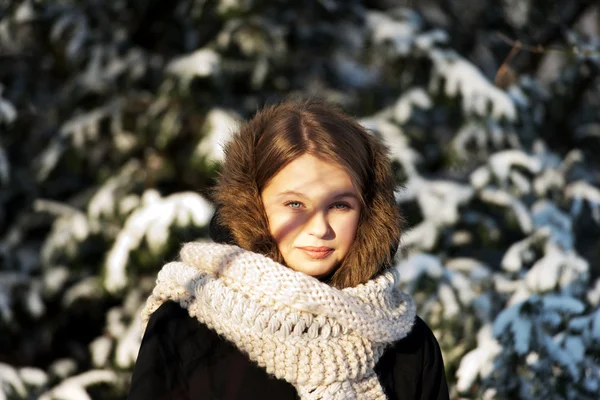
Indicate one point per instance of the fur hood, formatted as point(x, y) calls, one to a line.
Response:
point(240, 217)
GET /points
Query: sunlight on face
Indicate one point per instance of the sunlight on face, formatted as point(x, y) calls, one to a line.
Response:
point(313, 211)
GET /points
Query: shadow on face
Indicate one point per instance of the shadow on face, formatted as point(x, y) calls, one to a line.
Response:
point(313, 210)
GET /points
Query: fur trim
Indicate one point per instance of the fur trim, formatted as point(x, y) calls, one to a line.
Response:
point(241, 211)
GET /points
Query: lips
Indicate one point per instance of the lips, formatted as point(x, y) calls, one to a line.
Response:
point(317, 252)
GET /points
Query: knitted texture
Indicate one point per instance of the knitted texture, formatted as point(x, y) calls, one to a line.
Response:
point(324, 341)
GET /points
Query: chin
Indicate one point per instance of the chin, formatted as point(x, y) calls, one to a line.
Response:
point(315, 270)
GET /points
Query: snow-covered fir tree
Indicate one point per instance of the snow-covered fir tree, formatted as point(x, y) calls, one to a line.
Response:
point(111, 125)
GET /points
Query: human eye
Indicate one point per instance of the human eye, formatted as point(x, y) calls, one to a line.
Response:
point(293, 204)
point(341, 206)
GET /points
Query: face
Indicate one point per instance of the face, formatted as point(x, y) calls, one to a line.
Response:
point(313, 210)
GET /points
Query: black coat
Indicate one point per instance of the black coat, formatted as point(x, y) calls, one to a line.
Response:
point(181, 358)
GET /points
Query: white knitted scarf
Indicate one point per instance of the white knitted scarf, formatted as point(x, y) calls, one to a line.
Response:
point(322, 340)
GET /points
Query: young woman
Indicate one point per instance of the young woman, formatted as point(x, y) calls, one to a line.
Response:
point(297, 297)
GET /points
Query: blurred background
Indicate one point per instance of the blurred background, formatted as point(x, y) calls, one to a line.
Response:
point(112, 114)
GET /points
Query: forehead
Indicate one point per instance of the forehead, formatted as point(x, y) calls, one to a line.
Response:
point(312, 177)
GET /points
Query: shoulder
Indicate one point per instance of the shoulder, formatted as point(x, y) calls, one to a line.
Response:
point(413, 367)
point(168, 311)
point(420, 340)
point(170, 319)
point(420, 346)
point(172, 324)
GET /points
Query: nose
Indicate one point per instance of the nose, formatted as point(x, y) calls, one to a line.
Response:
point(319, 225)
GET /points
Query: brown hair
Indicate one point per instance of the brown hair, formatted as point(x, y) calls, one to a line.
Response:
point(277, 135)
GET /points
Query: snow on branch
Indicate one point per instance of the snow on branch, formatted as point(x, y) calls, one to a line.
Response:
point(502, 165)
point(8, 112)
point(201, 63)
point(396, 141)
point(479, 96)
point(105, 202)
point(69, 230)
point(580, 192)
point(402, 32)
point(218, 127)
point(152, 221)
point(74, 388)
point(79, 131)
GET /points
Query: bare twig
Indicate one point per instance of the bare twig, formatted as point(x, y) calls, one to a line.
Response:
point(539, 49)
point(506, 75)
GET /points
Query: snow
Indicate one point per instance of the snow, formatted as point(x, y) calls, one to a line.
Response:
point(539, 312)
point(200, 63)
point(564, 304)
point(218, 128)
point(514, 257)
point(463, 78)
point(545, 213)
point(103, 203)
point(384, 29)
point(33, 376)
point(128, 204)
point(115, 326)
point(575, 274)
point(505, 199)
point(548, 179)
point(397, 143)
point(423, 236)
point(152, 221)
point(505, 318)
point(418, 265)
point(520, 182)
point(575, 347)
point(63, 368)
point(440, 200)
point(476, 270)
point(129, 344)
point(502, 162)
point(521, 329)
point(100, 350)
point(580, 190)
point(87, 288)
point(483, 307)
point(352, 73)
point(416, 97)
point(561, 356)
point(549, 319)
point(544, 274)
point(470, 132)
point(73, 388)
point(25, 13)
point(478, 362)
point(8, 113)
point(426, 41)
point(480, 177)
point(595, 329)
point(33, 300)
point(69, 229)
point(448, 301)
point(579, 324)
point(593, 295)
point(10, 382)
point(4, 167)
point(462, 287)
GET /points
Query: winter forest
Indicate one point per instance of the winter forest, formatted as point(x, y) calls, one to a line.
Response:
point(112, 116)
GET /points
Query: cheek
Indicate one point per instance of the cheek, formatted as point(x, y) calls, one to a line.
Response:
point(346, 230)
point(283, 227)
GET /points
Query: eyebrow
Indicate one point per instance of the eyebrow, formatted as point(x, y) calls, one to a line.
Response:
point(337, 196)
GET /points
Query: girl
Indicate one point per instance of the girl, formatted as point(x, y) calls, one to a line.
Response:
point(297, 299)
